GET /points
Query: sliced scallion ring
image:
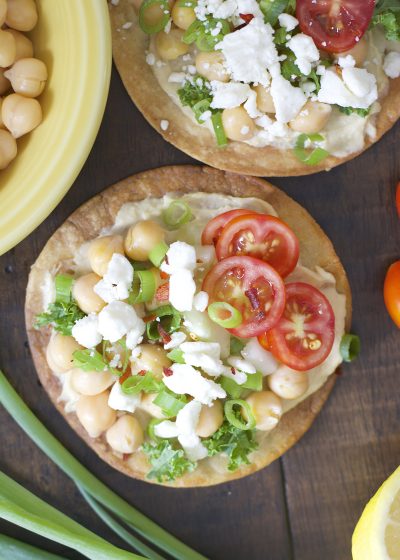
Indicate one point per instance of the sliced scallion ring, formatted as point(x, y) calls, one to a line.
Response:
point(176, 356)
point(306, 156)
point(225, 314)
point(219, 131)
point(150, 428)
point(63, 284)
point(199, 108)
point(169, 403)
point(234, 418)
point(350, 347)
point(177, 214)
point(135, 384)
point(164, 16)
point(143, 287)
point(169, 319)
point(157, 254)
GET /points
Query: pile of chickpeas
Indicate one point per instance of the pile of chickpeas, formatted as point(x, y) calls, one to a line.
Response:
point(22, 77)
point(237, 123)
point(123, 431)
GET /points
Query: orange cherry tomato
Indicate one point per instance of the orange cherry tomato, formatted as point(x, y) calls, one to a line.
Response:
point(391, 292)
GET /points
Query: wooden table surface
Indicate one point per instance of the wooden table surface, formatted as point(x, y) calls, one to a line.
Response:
point(304, 506)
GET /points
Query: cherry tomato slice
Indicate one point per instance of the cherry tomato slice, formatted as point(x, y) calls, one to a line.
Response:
point(213, 229)
point(253, 287)
point(304, 336)
point(262, 237)
point(335, 25)
point(391, 292)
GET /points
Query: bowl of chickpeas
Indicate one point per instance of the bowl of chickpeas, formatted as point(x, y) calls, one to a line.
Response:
point(55, 65)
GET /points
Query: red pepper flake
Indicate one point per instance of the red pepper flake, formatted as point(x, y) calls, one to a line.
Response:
point(165, 337)
point(162, 292)
point(167, 371)
point(246, 18)
point(252, 296)
point(124, 377)
point(125, 456)
point(233, 371)
point(142, 372)
point(150, 318)
point(163, 275)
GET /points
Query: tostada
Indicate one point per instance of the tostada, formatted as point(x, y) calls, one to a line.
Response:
point(187, 323)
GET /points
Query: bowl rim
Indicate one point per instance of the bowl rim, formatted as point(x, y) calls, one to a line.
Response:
point(31, 220)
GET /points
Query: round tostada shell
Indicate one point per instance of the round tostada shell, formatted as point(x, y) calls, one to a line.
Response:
point(129, 52)
point(100, 212)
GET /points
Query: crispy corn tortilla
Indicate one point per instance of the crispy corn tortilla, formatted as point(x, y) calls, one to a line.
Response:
point(100, 212)
point(129, 52)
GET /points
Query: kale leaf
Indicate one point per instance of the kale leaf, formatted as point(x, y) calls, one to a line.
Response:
point(61, 315)
point(387, 14)
point(235, 443)
point(168, 463)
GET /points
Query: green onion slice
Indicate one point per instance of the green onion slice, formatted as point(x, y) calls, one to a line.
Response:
point(176, 356)
point(178, 212)
point(199, 108)
point(169, 320)
point(234, 417)
point(219, 131)
point(350, 347)
point(236, 346)
point(233, 389)
point(143, 287)
point(170, 403)
point(254, 382)
point(150, 428)
point(63, 284)
point(306, 156)
point(164, 18)
point(91, 360)
point(225, 314)
point(135, 384)
point(157, 254)
point(200, 32)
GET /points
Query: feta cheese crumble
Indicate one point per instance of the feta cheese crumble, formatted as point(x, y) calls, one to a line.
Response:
point(164, 124)
point(116, 319)
point(288, 100)
point(118, 400)
point(305, 51)
point(357, 89)
point(391, 65)
point(86, 331)
point(185, 379)
point(230, 95)
point(288, 22)
point(117, 281)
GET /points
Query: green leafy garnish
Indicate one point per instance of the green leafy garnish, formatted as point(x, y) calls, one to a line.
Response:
point(236, 444)
point(168, 462)
point(280, 36)
point(91, 360)
point(387, 14)
point(306, 156)
point(136, 384)
point(206, 33)
point(272, 9)
point(350, 110)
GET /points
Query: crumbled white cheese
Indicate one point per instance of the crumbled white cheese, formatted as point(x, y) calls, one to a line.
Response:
point(180, 255)
point(288, 22)
point(200, 301)
point(308, 88)
point(176, 339)
point(205, 355)
point(200, 325)
point(68, 394)
point(177, 77)
point(185, 379)
point(164, 124)
point(86, 331)
point(251, 105)
point(182, 288)
point(334, 91)
point(116, 319)
point(238, 376)
point(288, 100)
point(205, 116)
point(346, 61)
point(150, 59)
point(391, 64)
point(166, 429)
point(118, 400)
point(262, 360)
point(242, 365)
point(117, 281)
point(228, 95)
point(250, 52)
point(127, 25)
point(135, 335)
point(305, 51)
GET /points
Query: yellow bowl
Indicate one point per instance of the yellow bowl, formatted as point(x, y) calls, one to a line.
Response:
point(73, 38)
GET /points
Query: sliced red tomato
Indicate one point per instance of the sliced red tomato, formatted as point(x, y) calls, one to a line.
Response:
point(391, 292)
point(213, 229)
point(253, 287)
point(398, 199)
point(304, 336)
point(335, 25)
point(262, 237)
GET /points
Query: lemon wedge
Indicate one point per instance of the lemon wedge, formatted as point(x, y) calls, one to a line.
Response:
point(377, 534)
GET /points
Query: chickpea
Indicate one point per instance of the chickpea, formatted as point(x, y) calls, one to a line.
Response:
point(151, 358)
point(23, 45)
point(4, 83)
point(126, 435)
point(20, 114)
point(170, 45)
point(21, 14)
point(182, 16)
point(8, 48)
point(312, 118)
point(8, 148)
point(267, 409)
point(85, 296)
point(210, 419)
point(59, 352)
point(3, 11)
point(148, 406)
point(264, 100)
point(287, 383)
point(101, 251)
point(90, 382)
point(141, 238)
point(28, 76)
point(358, 52)
point(238, 125)
point(211, 66)
point(94, 413)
